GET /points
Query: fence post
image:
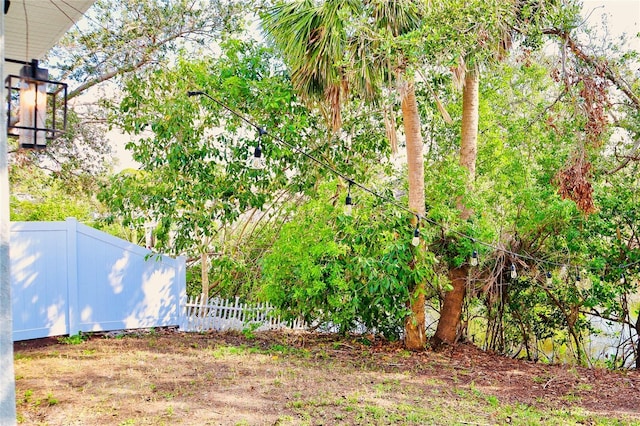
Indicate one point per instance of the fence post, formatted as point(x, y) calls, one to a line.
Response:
point(73, 310)
point(181, 290)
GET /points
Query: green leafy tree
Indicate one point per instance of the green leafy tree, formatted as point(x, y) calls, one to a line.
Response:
point(345, 271)
point(36, 196)
point(196, 179)
point(331, 48)
point(120, 39)
point(116, 41)
point(476, 35)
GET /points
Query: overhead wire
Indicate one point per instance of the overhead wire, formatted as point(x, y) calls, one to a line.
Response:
point(393, 202)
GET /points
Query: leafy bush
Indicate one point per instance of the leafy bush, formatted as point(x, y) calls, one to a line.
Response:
point(329, 268)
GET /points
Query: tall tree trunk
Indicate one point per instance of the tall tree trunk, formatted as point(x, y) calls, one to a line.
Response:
point(447, 331)
point(469, 134)
point(637, 351)
point(415, 325)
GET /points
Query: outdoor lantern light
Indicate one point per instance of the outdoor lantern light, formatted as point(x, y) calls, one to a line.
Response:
point(36, 106)
point(474, 258)
point(514, 274)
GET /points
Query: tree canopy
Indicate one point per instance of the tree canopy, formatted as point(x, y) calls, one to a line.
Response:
point(545, 200)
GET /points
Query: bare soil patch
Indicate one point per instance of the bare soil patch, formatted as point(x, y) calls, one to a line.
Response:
point(279, 378)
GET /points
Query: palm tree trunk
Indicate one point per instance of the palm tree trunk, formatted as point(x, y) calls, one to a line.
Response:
point(415, 325)
point(447, 331)
point(469, 138)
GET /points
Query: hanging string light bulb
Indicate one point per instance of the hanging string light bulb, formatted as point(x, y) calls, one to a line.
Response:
point(474, 258)
point(258, 160)
point(416, 233)
point(348, 203)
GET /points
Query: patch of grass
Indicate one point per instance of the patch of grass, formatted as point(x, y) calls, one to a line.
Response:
point(75, 339)
point(283, 420)
point(221, 352)
point(17, 356)
point(388, 386)
point(493, 401)
point(571, 397)
point(539, 380)
point(51, 400)
point(433, 382)
point(405, 353)
point(169, 411)
point(249, 331)
point(288, 350)
point(584, 387)
point(375, 412)
point(460, 392)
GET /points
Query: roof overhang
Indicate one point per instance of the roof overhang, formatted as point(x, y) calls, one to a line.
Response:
point(33, 27)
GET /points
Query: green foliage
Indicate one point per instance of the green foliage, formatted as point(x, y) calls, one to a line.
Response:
point(329, 268)
point(78, 159)
point(125, 38)
point(194, 181)
point(74, 339)
point(37, 196)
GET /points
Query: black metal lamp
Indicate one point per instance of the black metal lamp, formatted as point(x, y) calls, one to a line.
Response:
point(36, 106)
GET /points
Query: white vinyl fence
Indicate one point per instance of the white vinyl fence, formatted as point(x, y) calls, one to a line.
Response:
point(231, 314)
point(68, 278)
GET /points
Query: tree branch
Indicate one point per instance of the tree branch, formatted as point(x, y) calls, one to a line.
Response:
point(596, 63)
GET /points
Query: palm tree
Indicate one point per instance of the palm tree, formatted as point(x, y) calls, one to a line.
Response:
point(489, 43)
point(450, 313)
point(331, 46)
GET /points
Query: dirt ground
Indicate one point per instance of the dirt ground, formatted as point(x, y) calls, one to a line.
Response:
point(269, 378)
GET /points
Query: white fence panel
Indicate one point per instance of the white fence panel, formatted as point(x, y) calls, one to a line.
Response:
point(231, 314)
point(68, 277)
point(39, 264)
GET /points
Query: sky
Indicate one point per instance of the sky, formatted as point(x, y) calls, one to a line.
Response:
point(623, 17)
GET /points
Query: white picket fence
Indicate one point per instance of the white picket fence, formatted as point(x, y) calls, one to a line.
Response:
point(229, 314)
